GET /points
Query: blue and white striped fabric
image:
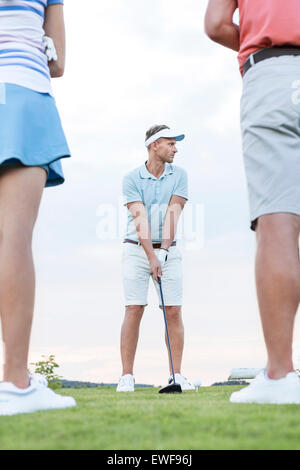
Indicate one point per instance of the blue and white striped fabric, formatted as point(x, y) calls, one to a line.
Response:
point(22, 54)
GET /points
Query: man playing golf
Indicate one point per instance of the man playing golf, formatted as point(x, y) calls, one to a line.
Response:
point(268, 44)
point(155, 194)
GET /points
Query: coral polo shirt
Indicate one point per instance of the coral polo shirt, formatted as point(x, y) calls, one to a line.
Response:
point(267, 23)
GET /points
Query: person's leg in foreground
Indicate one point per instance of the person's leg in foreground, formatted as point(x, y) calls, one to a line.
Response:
point(278, 291)
point(270, 134)
point(32, 144)
point(278, 287)
point(20, 194)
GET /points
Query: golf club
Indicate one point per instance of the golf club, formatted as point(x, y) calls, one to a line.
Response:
point(174, 387)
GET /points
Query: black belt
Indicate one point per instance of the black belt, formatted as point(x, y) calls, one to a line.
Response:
point(155, 245)
point(269, 52)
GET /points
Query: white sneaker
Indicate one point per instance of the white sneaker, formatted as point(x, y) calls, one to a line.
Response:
point(265, 390)
point(185, 384)
point(36, 397)
point(126, 383)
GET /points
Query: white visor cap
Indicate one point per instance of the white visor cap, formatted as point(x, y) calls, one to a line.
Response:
point(167, 133)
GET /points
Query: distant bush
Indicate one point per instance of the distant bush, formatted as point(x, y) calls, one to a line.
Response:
point(46, 368)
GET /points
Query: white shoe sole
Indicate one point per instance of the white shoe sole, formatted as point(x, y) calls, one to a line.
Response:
point(186, 389)
point(9, 410)
point(271, 400)
point(125, 391)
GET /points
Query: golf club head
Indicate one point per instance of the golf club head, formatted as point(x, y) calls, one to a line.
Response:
point(173, 388)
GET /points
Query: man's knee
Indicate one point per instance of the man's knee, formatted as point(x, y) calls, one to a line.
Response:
point(279, 227)
point(134, 310)
point(173, 313)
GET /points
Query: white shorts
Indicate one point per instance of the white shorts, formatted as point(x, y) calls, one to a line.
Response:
point(136, 274)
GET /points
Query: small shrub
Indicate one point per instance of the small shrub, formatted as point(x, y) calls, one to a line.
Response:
point(46, 368)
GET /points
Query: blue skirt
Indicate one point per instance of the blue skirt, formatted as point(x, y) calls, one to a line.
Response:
point(31, 132)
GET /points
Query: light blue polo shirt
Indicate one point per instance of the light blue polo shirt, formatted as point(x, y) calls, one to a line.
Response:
point(140, 185)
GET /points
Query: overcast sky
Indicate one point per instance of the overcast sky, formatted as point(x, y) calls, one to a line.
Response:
point(129, 66)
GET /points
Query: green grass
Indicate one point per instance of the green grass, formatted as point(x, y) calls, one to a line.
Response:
point(144, 419)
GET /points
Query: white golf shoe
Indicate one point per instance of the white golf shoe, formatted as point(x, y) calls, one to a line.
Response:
point(182, 381)
point(264, 390)
point(126, 383)
point(38, 396)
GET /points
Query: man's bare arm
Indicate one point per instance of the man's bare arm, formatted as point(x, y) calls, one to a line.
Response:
point(139, 215)
point(174, 210)
point(219, 25)
point(54, 27)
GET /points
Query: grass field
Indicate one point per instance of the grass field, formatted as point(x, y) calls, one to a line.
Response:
point(144, 419)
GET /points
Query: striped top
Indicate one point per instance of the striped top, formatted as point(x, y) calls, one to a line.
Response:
point(22, 54)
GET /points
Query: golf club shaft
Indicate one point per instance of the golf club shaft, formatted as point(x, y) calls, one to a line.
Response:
point(166, 325)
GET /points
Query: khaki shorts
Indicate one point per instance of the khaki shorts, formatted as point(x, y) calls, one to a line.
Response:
point(136, 275)
point(270, 124)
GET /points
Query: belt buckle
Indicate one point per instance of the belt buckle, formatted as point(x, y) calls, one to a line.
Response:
point(251, 58)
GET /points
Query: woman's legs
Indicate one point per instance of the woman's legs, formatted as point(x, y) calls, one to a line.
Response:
point(20, 195)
